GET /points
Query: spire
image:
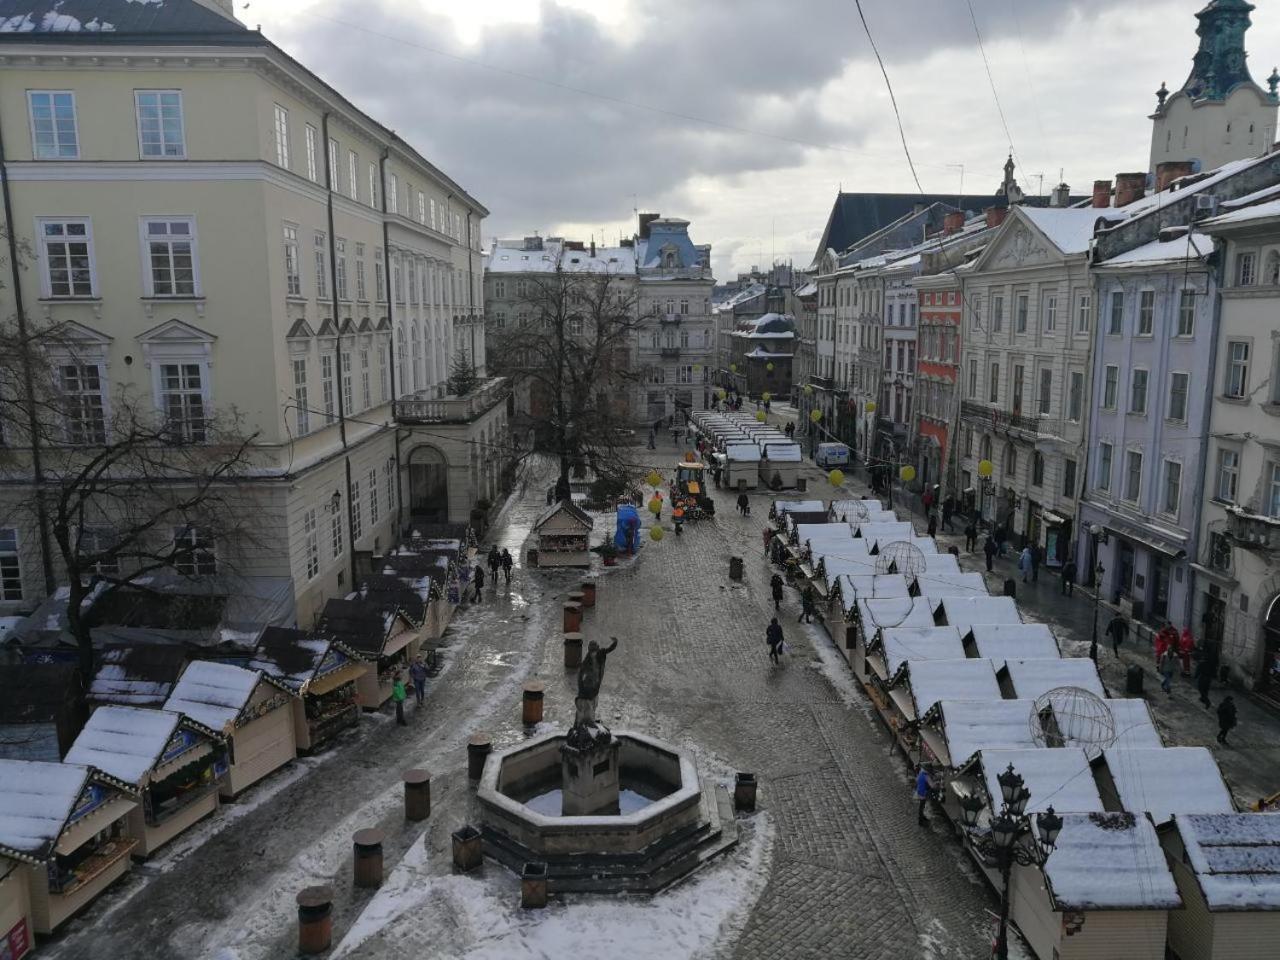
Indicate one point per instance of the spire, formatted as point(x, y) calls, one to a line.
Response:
point(1219, 64)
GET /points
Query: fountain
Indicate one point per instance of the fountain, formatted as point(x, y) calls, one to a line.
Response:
point(606, 812)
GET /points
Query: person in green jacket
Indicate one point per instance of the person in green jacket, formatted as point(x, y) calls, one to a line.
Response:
point(398, 695)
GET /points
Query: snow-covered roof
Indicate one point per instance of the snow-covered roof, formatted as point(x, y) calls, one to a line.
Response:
point(1000, 641)
point(939, 585)
point(742, 452)
point(1033, 678)
point(126, 742)
point(885, 532)
point(934, 680)
point(940, 564)
point(870, 586)
point(783, 453)
point(918, 643)
point(973, 725)
point(1194, 246)
point(1069, 228)
point(1168, 780)
point(213, 693)
point(37, 798)
point(1109, 861)
point(1134, 726)
point(759, 353)
point(894, 612)
point(1060, 778)
point(1235, 857)
point(796, 506)
point(770, 326)
point(1261, 211)
point(139, 675)
point(513, 258)
point(853, 511)
point(964, 612)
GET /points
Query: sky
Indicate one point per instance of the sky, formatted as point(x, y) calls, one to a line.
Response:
point(746, 117)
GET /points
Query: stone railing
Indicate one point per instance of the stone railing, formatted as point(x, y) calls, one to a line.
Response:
point(1254, 532)
point(422, 409)
point(995, 418)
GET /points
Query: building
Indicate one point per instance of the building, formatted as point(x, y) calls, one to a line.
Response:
point(241, 234)
point(763, 351)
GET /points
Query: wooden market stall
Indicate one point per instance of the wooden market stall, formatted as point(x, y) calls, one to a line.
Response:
point(39, 711)
point(323, 672)
point(138, 674)
point(377, 632)
point(564, 534)
point(16, 925)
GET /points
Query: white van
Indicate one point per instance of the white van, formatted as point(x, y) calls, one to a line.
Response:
point(831, 455)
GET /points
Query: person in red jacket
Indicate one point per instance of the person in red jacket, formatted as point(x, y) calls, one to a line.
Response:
point(1186, 646)
point(1166, 639)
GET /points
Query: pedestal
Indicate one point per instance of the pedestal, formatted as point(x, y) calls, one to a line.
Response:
point(589, 772)
point(417, 794)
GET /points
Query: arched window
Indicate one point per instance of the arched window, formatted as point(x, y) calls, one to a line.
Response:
point(984, 449)
point(1272, 274)
point(401, 353)
point(1010, 460)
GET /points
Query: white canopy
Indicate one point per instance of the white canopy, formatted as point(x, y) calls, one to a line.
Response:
point(1060, 778)
point(919, 643)
point(934, 680)
point(1109, 861)
point(1033, 678)
point(972, 725)
point(1168, 780)
point(1000, 641)
point(1236, 858)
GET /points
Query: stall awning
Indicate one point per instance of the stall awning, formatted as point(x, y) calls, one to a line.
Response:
point(1055, 519)
point(1146, 539)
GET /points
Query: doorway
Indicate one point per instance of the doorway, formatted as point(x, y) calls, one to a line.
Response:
point(1269, 675)
point(428, 485)
point(1124, 583)
point(1158, 597)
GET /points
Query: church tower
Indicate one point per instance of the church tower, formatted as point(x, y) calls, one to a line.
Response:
point(1220, 114)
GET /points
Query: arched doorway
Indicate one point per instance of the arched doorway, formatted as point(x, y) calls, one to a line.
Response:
point(428, 485)
point(1269, 675)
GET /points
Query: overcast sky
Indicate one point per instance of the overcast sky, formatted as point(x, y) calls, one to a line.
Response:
point(746, 116)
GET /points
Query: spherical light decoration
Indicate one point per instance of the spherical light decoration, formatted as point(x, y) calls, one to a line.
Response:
point(654, 479)
point(815, 415)
point(907, 473)
point(1073, 717)
point(836, 477)
point(655, 506)
point(985, 469)
point(870, 407)
point(655, 534)
point(722, 393)
point(760, 416)
point(901, 557)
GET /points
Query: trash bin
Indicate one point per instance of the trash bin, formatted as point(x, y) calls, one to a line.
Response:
point(802, 484)
point(1133, 680)
point(735, 568)
point(1011, 587)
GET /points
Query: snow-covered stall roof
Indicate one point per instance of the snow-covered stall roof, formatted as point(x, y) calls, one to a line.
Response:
point(1134, 726)
point(905, 643)
point(1000, 641)
point(1109, 861)
point(964, 612)
point(823, 533)
point(941, 565)
point(885, 532)
point(894, 612)
point(1033, 678)
point(293, 656)
point(1060, 778)
point(862, 511)
point(1235, 857)
point(938, 586)
point(864, 586)
point(1168, 780)
point(934, 680)
point(784, 452)
point(138, 675)
point(841, 560)
point(742, 452)
point(127, 742)
point(972, 725)
point(37, 799)
point(213, 693)
point(781, 507)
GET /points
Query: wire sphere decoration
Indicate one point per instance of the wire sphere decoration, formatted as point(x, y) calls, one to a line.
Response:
point(1073, 717)
point(858, 512)
point(902, 558)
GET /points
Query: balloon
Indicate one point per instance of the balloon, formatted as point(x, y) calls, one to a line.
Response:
point(871, 406)
point(907, 473)
point(815, 415)
point(769, 366)
point(733, 368)
point(654, 479)
point(760, 415)
point(721, 393)
point(766, 396)
point(808, 390)
point(655, 506)
point(655, 534)
point(836, 477)
point(985, 468)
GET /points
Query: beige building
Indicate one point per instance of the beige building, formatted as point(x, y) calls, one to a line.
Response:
point(219, 228)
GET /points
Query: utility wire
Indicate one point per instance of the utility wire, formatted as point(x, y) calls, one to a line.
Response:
point(897, 114)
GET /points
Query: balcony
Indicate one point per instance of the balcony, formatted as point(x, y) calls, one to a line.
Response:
point(1252, 531)
point(1001, 421)
point(669, 353)
point(822, 383)
point(422, 409)
point(669, 318)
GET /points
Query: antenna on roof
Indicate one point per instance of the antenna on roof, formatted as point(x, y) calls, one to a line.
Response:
point(960, 195)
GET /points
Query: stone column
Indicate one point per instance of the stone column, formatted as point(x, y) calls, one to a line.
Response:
point(589, 773)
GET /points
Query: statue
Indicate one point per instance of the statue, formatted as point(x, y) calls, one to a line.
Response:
point(590, 676)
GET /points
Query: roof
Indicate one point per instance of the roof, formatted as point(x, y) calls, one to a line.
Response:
point(858, 215)
point(781, 507)
point(1059, 778)
point(127, 742)
point(114, 16)
point(934, 680)
point(1164, 781)
point(1034, 678)
point(894, 612)
point(1068, 228)
point(37, 798)
point(565, 506)
point(1235, 857)
point(919, 643)
point(362, 624)
point(973, 725)
point(951, 585)
point(142, 674)
point(291, 656)
point(964, 612)
point(553, 255)
point(213, 693)
point(863, 586)
point(409, 599)
point(1134, 726)
point(771, 326)
point(1261, 211)
point(1189, 247)
point(1000, 641)
point(1109, 861)
point(35, 692)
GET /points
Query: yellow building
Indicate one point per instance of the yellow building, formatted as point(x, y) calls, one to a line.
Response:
point(215, 227)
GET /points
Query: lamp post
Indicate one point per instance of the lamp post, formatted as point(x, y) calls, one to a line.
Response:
point(1096, 532)
point(1004, 843)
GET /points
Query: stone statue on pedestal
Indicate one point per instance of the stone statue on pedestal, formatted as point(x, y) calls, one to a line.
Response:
point(590, 676)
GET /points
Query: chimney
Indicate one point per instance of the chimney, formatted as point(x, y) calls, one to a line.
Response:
point(1061, 195)
point(1170, 171)
point(996, 215)
point(645, 220)
point(593, 246)
point(1101, 194)
point(953, 222)
point(1130, 187)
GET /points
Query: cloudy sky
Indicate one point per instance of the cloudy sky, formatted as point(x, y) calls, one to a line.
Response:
point(746, 116)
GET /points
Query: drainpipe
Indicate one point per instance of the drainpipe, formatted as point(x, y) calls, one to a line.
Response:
point(391, 347)
point(28, 380)
point(1214, 278)
point(471, 288)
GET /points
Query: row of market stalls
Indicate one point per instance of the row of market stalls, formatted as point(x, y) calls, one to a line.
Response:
point(749, 453)
point(1152, 853)
point(184, 712)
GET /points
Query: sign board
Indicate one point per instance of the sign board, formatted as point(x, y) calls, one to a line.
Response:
point(17, 942)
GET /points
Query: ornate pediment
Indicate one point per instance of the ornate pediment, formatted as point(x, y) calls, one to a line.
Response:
point(1020, 248)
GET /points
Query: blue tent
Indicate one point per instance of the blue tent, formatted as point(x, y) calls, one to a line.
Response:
point(628, 519)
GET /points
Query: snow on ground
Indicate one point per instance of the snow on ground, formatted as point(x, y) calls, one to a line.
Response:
point(836, 669)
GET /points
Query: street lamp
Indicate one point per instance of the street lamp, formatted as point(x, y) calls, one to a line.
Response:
point(985, 469)
point(1097, 532)
point(1003, 843)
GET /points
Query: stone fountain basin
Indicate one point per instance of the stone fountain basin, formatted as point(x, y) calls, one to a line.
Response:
point(532, 767)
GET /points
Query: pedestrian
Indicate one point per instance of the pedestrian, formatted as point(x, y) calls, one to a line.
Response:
point(773, 637)
point(1037, 558)
point(924, 790)
point(926, 500)
point(775, 585)
point(971, 537)
point(806, 605)
point(954, 551)
point(507, 561)
point(1186, 645)
point(1226, 718)
point(948, 512)
point(418, 674)
point(1117, 630)
point(1024, 564)
point(1204, 679)
point(652, 444)
point(989, 548)
point(495, 561)
point(933, 525)
point(1069, 577)
point(1168, 666)
point(478, 576)
point(767, 534)
point(744, 505)
point(1166, 639)
point(551, 495)
point(398, 695)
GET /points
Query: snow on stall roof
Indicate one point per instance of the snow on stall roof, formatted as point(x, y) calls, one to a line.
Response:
point(938, 584)
point(973, 725)
point(1060, 778)
point(1109, 861)
point(934, 680)
point(964, 612)
point(1000, 641)
point(798, 506)
point(895, 612)
point(742, 452)
point(213, 693)
point(1134, 726)
point(871, 586)
point(36, 798)
point(1168, 780)
point(125, 742)
point(941, 565)
point(1033, 678)
point(918, 643)
point(886, 532)
point(1194, 246)
point(783, 453)
point(1236, 858)
point(1069, 228)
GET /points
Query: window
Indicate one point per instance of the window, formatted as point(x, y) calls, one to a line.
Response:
point(10, 567)
point(993, 387)
point(356, 519)
point(160, 133)
point(1246, 269)
point(292, 274)
point(1046, 391)
point(53, 125)
point(1103, 480)
point(312, 172)
point(340, 274)
point(1110, 387)
point(684, 306)
point(1021, 314)
point(335, 183)
point(282, 136)
point(422, 207)
point(1018, 371)
point(1010, 460)
point(1237, 369)
point(1050, 313)
point(1219, 551)
point(1116, 318)
point(182, 401)
point(1138, 392)
point(379, 275)
point(1037, 469)
point(1228, 474)
point(1271, 505)
point(171, 257)
point(303, 413)
point(433, 213)
point(384, 378)
point(1146, 312)
point(193, 553)
point(1172, 487)
point(1084, 306)
point(968, 441)
point(393, 195)
point(373, 496)
point(82, 401)
point(388, 474)
point(411, 266)
point(1272, 274)
point(373, 185)
point(66, 247)
point(353, 175)
point(1186, 313)
point(1179, 384)
point(1075, 397)
point(1133, 475)
point(1068, 478)
point(320, 253)
point(326, 386)
point(311, 541)
point(96, 541)
point(366, 389)
point(335, 527)
point(347, 399)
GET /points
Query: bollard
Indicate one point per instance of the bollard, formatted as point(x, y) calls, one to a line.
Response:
point(315, 920)
point(735, 568)
point(533, 885)
point(532, 702)
point(478, 748)
point(467, 850)
point(579, 598)
point(417, 794)
point(368, 858)
point(744, 793)
point(572, 651)
point(588, 593)
point(572, 617)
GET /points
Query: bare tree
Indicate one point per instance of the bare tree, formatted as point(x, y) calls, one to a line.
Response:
point(573, 350)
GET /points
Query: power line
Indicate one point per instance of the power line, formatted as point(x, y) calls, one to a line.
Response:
point(902, 134)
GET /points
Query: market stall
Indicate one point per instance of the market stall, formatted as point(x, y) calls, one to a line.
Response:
point(323, 672)
point(780, 465)
point(378, 633)
point(563, 533)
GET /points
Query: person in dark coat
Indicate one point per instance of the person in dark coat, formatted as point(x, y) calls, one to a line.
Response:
point(933, 525)
point(1069, 577)
point(806, 606)
point(773, 637)
point(1204, 679)
point(990, 549)
point(478, 576)
point(775, 585)
point(948, 511)
point(1226, 718)
point(495, 561)
point(744, 505)
point(1037, 558)
point(508, 562)
point(971, 537)
point(418, 674)
point(1117, 630)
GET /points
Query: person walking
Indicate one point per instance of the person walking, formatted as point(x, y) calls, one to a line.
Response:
point(948, 512)
point(773, 637)
point(398, 695)
point(989, 548)
point(1204, 679)
point(478, 576)
point(933, 524)
point(926, 501)
point(806, 605)
point(1069, 577)
point(1024, 564)
point(495, 561)
point(652, 438)
point(1226, 718)
point(775, 585)
point(1186, 646)
point(767, 535)
point(418, 674)
point(1117, 630)
point(971, 537)
point(507, 562)
point(1168, 666)
point(744, 505)
point(1037, 558)
point(924, 790)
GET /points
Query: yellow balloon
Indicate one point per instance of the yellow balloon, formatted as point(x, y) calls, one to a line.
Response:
point(766, 396)
point(721, 393)
point(655, 533)
point(836, 477)
point(907, 473)
point(760, 415)
point(655, 506)
point(733, 368)
point(985, 468)
point(769, 366)
point(654, 478)
point(815, 415)
point(808, 390)
point(871, 406)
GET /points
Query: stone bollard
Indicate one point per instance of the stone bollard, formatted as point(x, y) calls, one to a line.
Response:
point(417, 794)
point(735, 568)
point(368, 858)
point(744, 793)
point(588, 593)
point(572, 651)
point(467, 849)
point(533, 885)
point(572, 617)
point(315, 920)
point(478, 748)
point(532, 702)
